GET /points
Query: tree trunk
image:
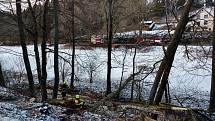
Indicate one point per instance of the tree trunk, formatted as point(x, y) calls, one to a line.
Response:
point(156, 83)
point(24, 47)
point(91, 76)
point(165, 67)
point(35, 41)
point(2, 81)
point(63, 71)
point(132, 83)
point(56, 42)
point(212, 93)
point(73, 45)
point(110, 34)
point(123, 68)
point(43, 50)
point(166, 96)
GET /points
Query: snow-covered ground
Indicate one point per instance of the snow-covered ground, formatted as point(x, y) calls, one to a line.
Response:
point(21, 108)
point(186, 74)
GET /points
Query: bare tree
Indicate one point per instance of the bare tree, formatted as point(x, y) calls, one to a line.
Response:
point(35, 41)
point(165, 67)
point(132, 83)
point(110, 36)
point(56, 41)
point(43, 50)
point(91, 65)
point(24, 47)
point(123, 68)
point(212, 93)
point(73, 44)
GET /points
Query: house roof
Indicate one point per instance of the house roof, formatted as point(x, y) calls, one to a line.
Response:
point(209, 10)
point(148, 22)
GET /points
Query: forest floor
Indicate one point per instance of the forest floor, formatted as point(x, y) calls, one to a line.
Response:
point(17, 107)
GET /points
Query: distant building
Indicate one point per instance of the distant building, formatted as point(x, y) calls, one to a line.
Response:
point(147, 25)
point(149, 1)
point(203, 18)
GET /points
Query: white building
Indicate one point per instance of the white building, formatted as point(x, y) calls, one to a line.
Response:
point(203, 18)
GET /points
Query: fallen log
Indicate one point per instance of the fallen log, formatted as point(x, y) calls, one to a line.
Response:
point(60, 102)
point(117, 92)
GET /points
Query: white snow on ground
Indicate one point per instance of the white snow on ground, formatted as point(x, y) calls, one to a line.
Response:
point(15, 112)
point(21, 109)
point(186, 73)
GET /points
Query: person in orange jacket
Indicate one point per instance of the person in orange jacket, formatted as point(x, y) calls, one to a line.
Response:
point(78, 103)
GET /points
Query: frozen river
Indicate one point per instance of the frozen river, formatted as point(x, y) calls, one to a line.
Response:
point(188, 72)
